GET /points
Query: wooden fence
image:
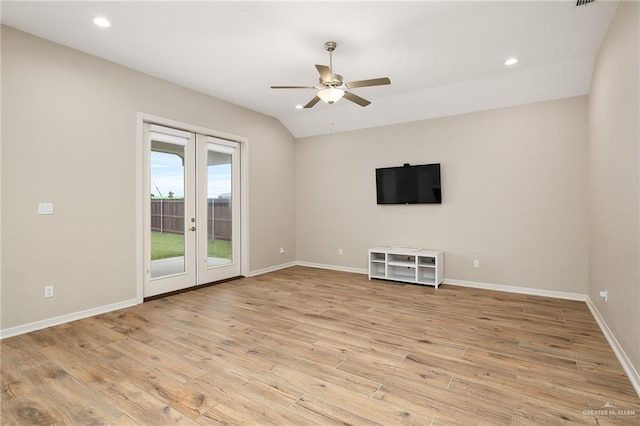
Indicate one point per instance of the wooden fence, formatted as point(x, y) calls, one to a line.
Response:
point(168, 216)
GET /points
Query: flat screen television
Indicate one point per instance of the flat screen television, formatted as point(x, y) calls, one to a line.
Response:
point(409, 184)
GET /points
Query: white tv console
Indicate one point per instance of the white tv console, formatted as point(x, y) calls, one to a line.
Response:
point(407, 264)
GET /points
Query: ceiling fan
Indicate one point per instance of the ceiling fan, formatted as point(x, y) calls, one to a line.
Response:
point(332, 87)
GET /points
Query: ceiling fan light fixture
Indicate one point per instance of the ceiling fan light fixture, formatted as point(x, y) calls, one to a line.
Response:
point(331, 94)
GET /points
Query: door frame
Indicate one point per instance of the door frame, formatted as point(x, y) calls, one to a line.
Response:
point(141, 191)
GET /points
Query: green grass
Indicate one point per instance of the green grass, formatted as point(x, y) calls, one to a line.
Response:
point(219, 248)
point(165, 245)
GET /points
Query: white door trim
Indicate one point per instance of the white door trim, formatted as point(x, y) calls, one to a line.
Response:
point(140, 190)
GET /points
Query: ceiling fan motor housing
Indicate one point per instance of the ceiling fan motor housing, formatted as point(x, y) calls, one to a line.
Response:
point(330, 46)
point(336, 81)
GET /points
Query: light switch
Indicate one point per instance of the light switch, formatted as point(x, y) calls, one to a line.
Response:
point(45, 208)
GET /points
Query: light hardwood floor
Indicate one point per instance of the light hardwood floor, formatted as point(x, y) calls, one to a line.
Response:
point(308, 346)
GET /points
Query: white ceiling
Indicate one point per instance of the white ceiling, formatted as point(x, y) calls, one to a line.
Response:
point(443, 57)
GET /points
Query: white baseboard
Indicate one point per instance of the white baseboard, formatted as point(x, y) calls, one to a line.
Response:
point(627, 365)
point(308, 265)
point(333, 267)
point(270, 269)
point(521, 290)
point(461, 283)
point(62, 319)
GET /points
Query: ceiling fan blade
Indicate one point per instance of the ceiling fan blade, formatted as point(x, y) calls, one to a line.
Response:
point(293, 87)
point(312, 102)
point(325, 72)
point(356, 99)
point(366, 83)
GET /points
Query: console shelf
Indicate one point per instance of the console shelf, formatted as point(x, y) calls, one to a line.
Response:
point(407, 264)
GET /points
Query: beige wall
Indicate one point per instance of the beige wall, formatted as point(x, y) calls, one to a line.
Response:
point(69, 137)
point(514, 195)
point(614, 184)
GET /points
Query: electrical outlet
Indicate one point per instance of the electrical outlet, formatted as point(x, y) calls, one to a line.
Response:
point(282, 250)
point(476, 264)
point(45, 208)
point(48, 291)
point(340, 252)
point(605, 295)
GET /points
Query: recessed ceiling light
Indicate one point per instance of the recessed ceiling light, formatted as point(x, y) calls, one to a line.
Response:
point(299, 107)
point(510, 61)
point(101, 22)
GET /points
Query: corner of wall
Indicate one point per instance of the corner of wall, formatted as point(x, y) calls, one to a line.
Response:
point(626, 363)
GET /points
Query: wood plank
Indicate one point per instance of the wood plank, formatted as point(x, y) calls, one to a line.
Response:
point(143, 408)
point(358, 402)
point(319, 412)
point(237, 404)
point(59, 398)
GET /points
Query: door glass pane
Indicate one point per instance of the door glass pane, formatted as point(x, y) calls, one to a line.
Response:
point(219, 207)
point(167, 209)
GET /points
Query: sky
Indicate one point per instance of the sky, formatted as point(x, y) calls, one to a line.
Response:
point(167, 176)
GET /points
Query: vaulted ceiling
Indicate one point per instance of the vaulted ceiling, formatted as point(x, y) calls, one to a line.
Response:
point(443, 57)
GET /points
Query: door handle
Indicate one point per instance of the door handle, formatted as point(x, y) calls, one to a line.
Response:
point(193, 228)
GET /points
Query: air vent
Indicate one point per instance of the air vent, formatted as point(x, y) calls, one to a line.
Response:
point(583, 2)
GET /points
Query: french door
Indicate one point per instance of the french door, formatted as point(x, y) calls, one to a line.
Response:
point(193, 209)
